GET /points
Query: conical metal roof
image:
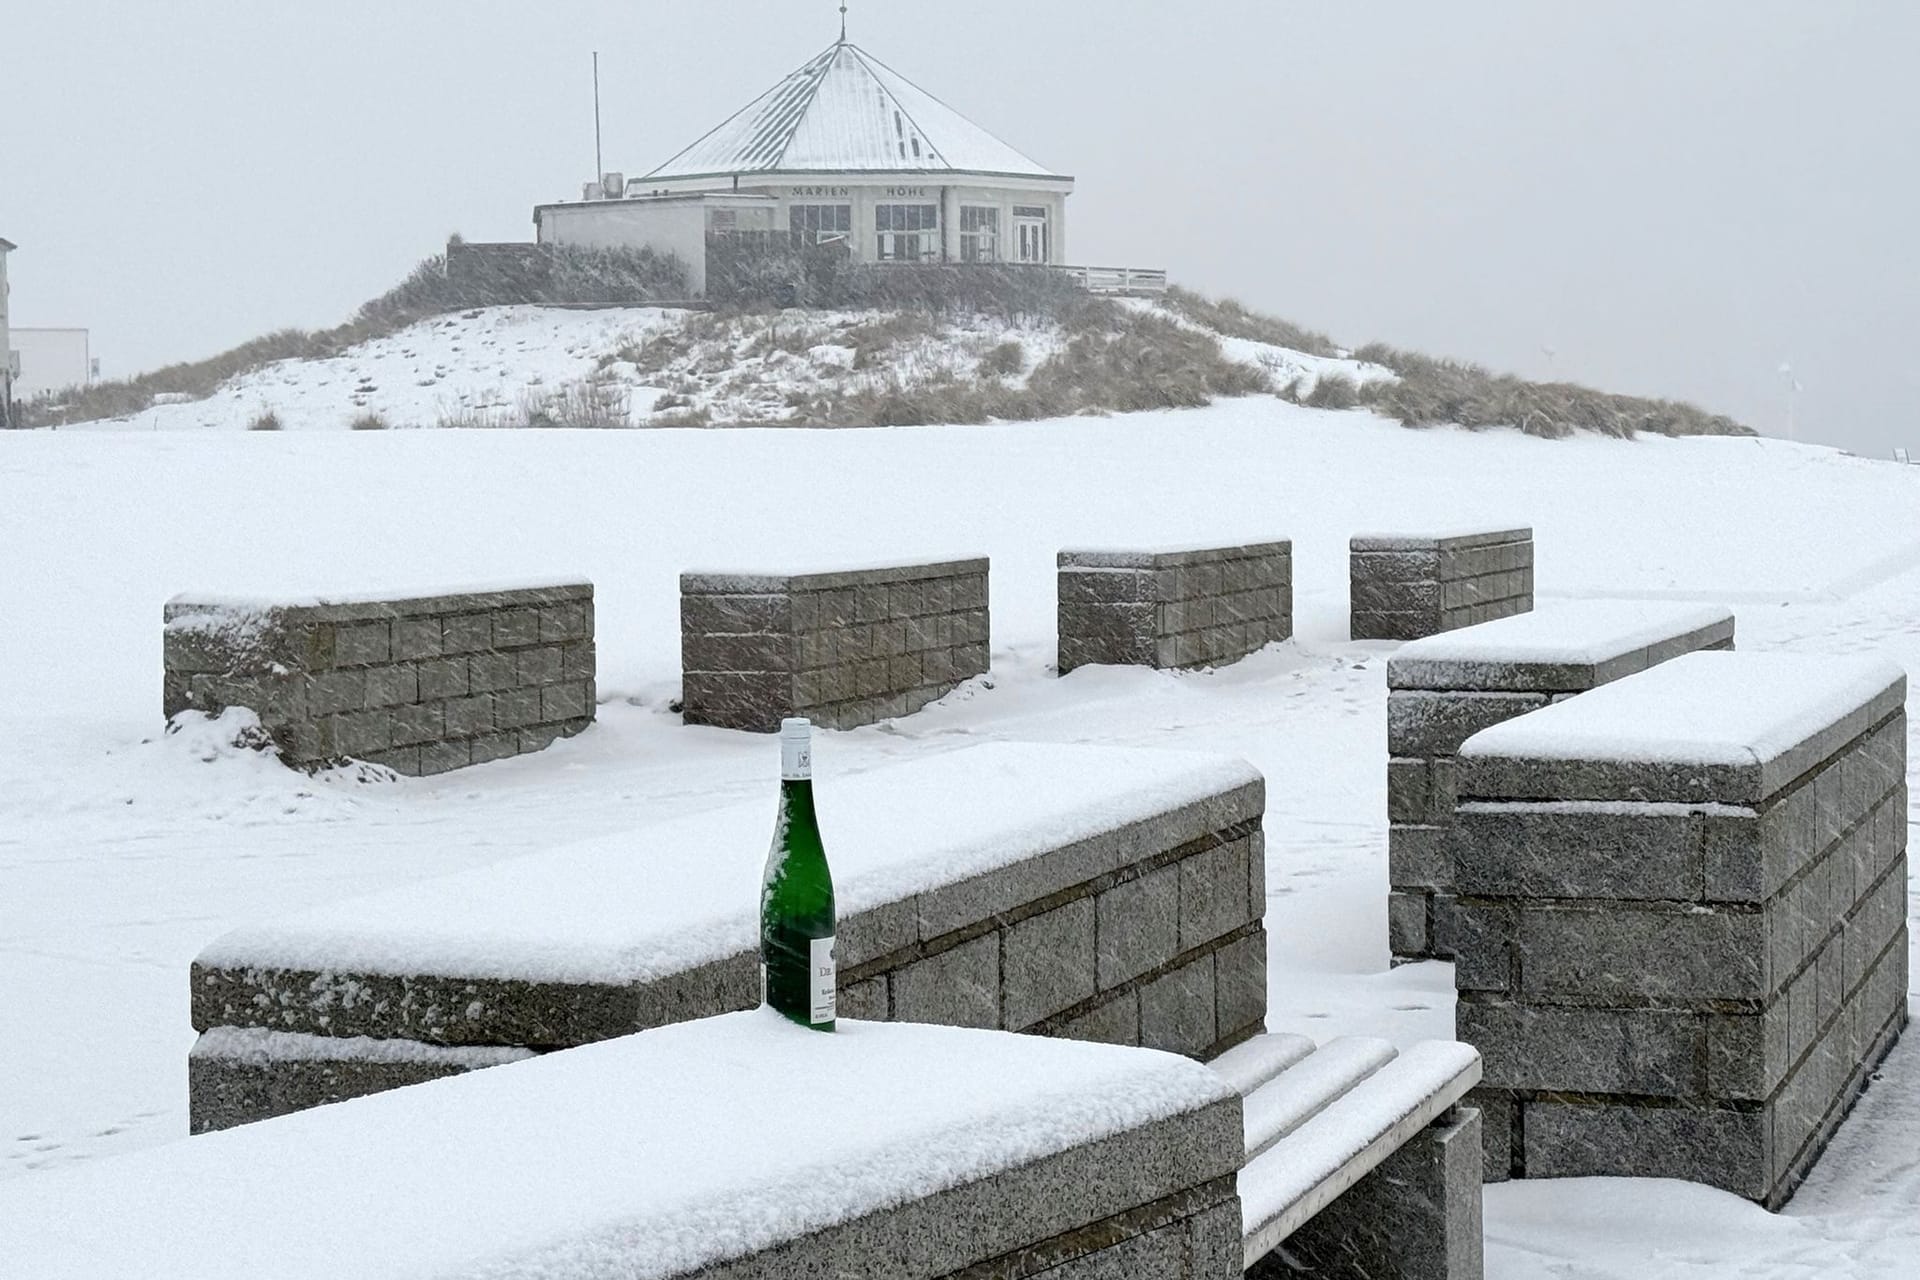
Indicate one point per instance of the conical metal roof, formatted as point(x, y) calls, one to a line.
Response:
point(847, 112)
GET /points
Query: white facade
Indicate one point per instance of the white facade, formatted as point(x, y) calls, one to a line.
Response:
point(843, 151)
point(674, 225)
point(6, 343)
point(51, 360)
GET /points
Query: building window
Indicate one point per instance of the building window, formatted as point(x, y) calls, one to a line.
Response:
point(1031, 242)
point(979, 233)
point(908, 232)
point(820, 223)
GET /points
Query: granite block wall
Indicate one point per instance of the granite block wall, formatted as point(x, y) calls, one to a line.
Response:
point(1673, 970)
point(1170, 609)
point(842, 649)
point(1405, 587)
point(1441, 692)
point(1151, 1202)
point(420, 684)
point(1148, 933)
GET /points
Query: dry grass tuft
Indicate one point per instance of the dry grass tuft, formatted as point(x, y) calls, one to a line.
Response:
point(1225, 316)
point(1434, 392)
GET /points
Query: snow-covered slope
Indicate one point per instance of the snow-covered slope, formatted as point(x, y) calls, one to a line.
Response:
point(123, 851)
point(505, 366)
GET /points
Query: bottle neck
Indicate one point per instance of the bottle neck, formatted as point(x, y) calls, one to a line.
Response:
point(797, 795)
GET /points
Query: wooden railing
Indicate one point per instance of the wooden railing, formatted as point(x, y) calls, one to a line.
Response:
point(1117, 279)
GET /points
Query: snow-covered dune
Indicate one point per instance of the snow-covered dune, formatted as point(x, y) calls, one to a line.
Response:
point(507, 366)
point(123, 851)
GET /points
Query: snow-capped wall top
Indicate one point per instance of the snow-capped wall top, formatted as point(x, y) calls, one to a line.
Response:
point(1721, 726)
point(649, 1156)
point(640, 904)
point(845, 111)
point(1566, 646)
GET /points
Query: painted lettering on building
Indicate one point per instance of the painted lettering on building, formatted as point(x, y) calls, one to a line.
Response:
point(816, 192)
point(906, 193)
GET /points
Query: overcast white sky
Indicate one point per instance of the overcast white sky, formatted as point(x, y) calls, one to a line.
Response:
point(1673, 197)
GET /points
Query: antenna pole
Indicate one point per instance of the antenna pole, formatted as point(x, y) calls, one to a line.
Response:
point(843, 21)
point(598, 167)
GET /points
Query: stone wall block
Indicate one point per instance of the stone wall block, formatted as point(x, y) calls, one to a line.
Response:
point(1407, 927)
point(392, 685)
point(1240, 985)
point(1545, 851)
point(565, 702)
point(466, 633)
point(1213, 894)
point(1210, 606)
point(1138, 926)
point(860, 646)
point(960, 987)
point(1691, 975)
point(1177, 1011)
point(369, 678)
point(1115, 1021)
point(415, 638)
point(1049, 964)
point(362, 733)
point(1419, 857)
point(1652, 1052)
point(335, 691)
point(516, 628)
point(445, 677)
point(1721, 1148)
point(418, 723)
point(363, 644)
point(537, 666)
point(1422, 723)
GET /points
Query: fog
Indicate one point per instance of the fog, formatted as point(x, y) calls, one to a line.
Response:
point(1653, 197)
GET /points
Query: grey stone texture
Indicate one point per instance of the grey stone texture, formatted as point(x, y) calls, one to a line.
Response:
point(422, 685)
point(1416, 1216)
point(1407, 587)
point(1148, 933)
point(842, 649)
point(234, 1081)
point(1436, 703)
point(1155, 1202)
point(1173, 609)
point(1694, 982)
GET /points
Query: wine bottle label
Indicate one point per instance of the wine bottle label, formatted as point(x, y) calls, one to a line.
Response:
point(820, 954)
point(796, 751)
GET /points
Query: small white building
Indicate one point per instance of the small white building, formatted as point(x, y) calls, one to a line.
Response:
point(8, 365)
point(843, 151)
point(51, 361)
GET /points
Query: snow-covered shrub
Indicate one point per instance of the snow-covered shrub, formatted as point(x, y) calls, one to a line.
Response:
point(369, 422)
point(1333, 391)
point(1005, 360)
point(587, 403)
point(266, 420)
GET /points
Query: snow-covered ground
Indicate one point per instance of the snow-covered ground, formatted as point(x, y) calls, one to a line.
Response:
point(123, 850)
point(508, 366)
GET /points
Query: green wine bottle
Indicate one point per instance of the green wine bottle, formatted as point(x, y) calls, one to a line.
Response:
point(796, 899)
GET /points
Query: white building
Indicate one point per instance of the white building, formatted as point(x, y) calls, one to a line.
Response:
point(51, 360)
point(844, 150)
point(6, 342)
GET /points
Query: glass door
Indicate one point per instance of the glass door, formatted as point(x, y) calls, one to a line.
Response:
point(1030, 239)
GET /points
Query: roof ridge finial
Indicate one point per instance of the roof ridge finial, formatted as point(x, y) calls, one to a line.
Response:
point(843, 21)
